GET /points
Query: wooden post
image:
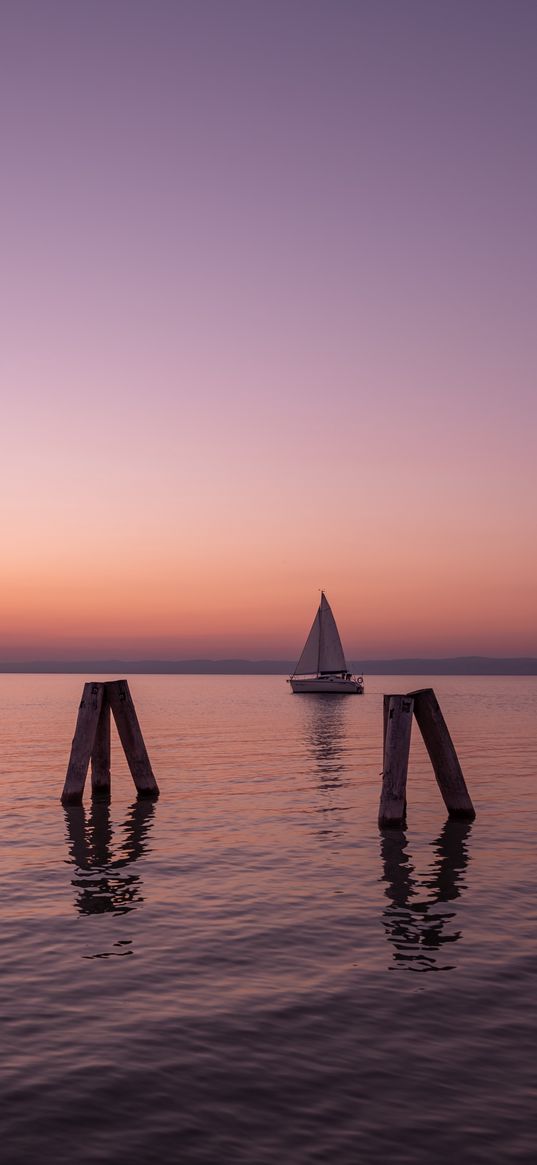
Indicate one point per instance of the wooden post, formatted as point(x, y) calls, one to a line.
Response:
point(131, 738)
point(83, 741)
point(385, 714)
point(444, 760)
point(100, 757)
point(385, 717)
point(398, 726)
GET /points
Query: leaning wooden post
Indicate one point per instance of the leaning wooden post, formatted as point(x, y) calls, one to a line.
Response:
point(130, 734)
point(398, 727)
point(100, 757)
point(83, 742)
point(444, 760)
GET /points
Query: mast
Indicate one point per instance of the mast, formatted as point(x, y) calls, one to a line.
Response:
point(320, 634)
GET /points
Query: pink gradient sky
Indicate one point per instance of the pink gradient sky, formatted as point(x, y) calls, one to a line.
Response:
point(268, 300)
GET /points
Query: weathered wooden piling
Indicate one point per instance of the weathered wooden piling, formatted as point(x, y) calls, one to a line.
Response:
point(397, 731)
point(92, 741)
point(100, 756)
point(444, 760)
point(131, 738)
point(83, 743)
point(385, 718)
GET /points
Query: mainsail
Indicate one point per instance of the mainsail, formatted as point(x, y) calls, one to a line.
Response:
point(322, 650)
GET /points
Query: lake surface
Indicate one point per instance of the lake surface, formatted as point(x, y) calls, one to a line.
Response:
point(246, 971)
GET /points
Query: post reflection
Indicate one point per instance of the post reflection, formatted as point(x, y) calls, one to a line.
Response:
point(418, 927)
point(105, 884)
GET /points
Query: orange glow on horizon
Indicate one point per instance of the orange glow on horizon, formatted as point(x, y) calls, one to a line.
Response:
point(258, 615)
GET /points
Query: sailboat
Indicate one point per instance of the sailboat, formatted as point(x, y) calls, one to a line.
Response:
point(322, 667)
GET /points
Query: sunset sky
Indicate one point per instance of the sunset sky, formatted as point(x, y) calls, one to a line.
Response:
point(268, 301)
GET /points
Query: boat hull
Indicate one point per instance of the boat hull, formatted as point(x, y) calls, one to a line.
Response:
point(327, 686)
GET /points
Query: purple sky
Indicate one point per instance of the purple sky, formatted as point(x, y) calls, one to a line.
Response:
point(268, 296)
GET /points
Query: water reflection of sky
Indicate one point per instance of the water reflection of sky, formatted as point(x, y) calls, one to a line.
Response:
point(104, 881)
point(419, 919)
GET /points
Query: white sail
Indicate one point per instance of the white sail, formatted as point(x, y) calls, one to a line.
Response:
point(309, 660)
point(331, 657)
point(322, 650)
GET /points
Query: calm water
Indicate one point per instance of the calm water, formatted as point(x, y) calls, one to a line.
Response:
point(246, 971)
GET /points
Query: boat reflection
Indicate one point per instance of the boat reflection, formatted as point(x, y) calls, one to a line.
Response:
point(105, 884)
point(418, 927)
point(324, 732)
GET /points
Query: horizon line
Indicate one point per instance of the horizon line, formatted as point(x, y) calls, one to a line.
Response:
point(459, 664)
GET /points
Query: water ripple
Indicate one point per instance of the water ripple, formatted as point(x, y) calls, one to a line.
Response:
point(241, 972)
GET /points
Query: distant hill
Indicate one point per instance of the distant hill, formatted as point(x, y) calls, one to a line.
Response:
point(469, 665)
point(463, 665)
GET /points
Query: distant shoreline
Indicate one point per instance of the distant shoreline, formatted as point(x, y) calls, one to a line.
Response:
point(459, 665)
